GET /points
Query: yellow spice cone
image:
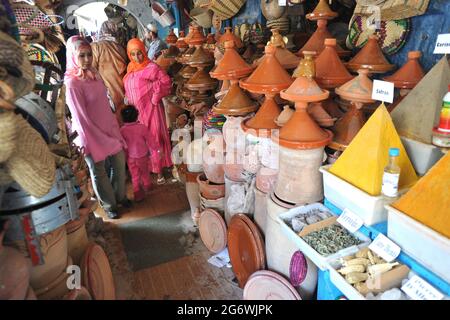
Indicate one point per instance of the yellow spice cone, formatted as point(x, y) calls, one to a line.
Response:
point(429, 200)
point(364, 160)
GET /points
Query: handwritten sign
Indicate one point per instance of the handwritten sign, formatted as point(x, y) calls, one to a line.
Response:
point(350, 221)
point(383, 91)
point(419, 289)
point(442, 44)
point(385, 248)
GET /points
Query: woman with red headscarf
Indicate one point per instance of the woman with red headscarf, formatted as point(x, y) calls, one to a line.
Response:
point(97, 127)
point(145, 86)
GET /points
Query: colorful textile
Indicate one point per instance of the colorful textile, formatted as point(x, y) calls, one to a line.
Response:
point(145, 89)
point(139, 175)
point(74, 44)
point(134, 66)
point(135, 135)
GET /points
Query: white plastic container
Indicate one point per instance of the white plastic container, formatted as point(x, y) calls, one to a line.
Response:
point(322, 262)
point(346, 196)
point(423, 156)
point(260, 215)
point(429, 248)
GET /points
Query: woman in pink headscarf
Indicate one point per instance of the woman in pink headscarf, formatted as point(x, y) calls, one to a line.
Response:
point(145, 86)
point(97, 127)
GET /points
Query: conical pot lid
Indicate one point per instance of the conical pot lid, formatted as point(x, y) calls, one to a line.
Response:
point(171, 37)
point(210, 38)
point(317, 41)
point(172, 52)
point(359, 89)
point(304, 89)
point(181, 43)
point(302, 132)
point(235, 103)
point(232, 66)
point(332, 108)
point(410, 74)
point(229, 36)
point(186, 55)
point(370, 57)
point(187, 72)
point(318, 113)
point(200, 58)
point(347, 128)
point(330, 71)
point(322, 11)
point(287, 59)
point(264, 119)
point(197, 38)
point(201, 81)
point(269, 76)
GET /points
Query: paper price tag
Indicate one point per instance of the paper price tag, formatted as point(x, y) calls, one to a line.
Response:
point(383, 91)
point(419, 289)
point(442, 44)
point(350, 221)
point(385, 248)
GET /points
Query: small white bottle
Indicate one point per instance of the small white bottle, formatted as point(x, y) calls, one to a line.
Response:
point(391, 175)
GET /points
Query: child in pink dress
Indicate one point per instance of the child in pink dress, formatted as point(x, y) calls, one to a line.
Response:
point(136, 136)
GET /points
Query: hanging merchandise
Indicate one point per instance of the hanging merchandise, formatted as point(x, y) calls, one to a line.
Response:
point(393, 9)
point(162, 14)
point(226, 9)
point(271, 10)
point(202, 16)
point(392, 34)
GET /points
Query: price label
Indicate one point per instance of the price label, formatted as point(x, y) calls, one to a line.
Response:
point(442, 44)
point(385, 248)
point(383, 91)
point(419, 289)
point(350, 221)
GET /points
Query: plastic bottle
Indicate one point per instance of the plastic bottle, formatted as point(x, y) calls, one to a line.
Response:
point(441, 134)
point(391, 175)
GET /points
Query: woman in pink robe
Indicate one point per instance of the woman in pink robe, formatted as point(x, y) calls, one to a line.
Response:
point(96, 126)
point(145, 86)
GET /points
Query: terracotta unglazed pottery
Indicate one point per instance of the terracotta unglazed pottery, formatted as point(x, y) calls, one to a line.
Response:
point(171, 38)
point(284, 116)
point(236, 102)
point(213, 230)
point(319, 115)
point(316, 42)
point(322, 11)
point(229, 36)
point(410, 74)
point(265, 179)
point(210, 190)
point(268, 285)
point(232, 66)
point(268, 78)
point(196, 37)
point(370, 57)
point(330, 71)
point(359, 89)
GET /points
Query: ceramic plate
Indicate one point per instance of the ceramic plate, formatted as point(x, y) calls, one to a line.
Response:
point(213, 230)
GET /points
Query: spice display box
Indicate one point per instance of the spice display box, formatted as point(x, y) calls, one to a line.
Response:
point(322, 262)
point(388, 280)
point(346, 196)
point(423, 156)
point(428, 247)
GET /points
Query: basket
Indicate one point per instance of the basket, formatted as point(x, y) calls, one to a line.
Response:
point(226, 8)
point(392, 9)
point(162, 15)
point(203, 17)
point(30, 17)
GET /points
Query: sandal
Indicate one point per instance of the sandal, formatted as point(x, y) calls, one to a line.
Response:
point(161, 181)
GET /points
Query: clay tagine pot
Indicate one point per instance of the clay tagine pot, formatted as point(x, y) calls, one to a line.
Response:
point(269, 78)
point(181, 43)
point(370, 57)
point(358, 91)
point(410, 74)
point(171, 38)
point(317, 41)
point(229, 36)
point(322, 11)
point(330, 71)
point(287, 59)
point(320, 115)
point(235, 102)
point(232, 66)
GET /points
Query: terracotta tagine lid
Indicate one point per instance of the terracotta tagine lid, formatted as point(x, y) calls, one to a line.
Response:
point(184, 58)
point(268, 285)
point(301, 131)
point(322, 11)
point(210, 38)
point(317, 41)
point(286, 58)
point(229, 36)
point(359, 89)
point(318, 113)
point(172, 52)
point(410, 74)
point(330, 71)
point(370, 57)
point(232, 66)
point(187, 72)
point(347, 127)
point(96, 273)
point(197, 38)
point(332, 108)
point(201, 81)
point(181, 43)
point(190, 34)
point(200, 57)
point(235, 102)
point(246, 248)
point(171, 38)
point(268, 78)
